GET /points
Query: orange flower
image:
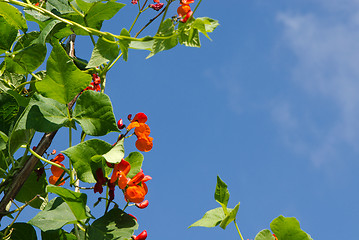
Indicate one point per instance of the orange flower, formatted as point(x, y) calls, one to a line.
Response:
point(120, 172)
point(185, 12)
point(56, 171)
point(144, 142)
point(136, 193)
point(137, 189)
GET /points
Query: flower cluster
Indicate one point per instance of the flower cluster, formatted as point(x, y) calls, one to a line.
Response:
point(156, 6)
point(134, 189)
point(95, 84)
point(144, 142)
point(184, 11)
point(56, 171)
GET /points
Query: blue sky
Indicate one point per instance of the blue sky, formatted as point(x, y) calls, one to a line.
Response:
point(270, 105)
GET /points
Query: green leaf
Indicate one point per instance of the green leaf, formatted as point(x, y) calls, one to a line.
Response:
point(116, 224)
point(124, 44)
point(102, 11)
point(10, 80)
point(21, 100)
point(116, 154)
point(103, 52)
point(135, 159)
point(221, 194)
point(146, 45)
point(265, 234)
point(43, 115)
point(59, 6)
point(75, 200)
point(288, 228)
point(8, 112)
point(22, 231)
point(59, 234)
point(55, 215)
point(190, 38)
point(8, 34)
point(230, 218)
point(28, 54)
point(81, 155)
point(209, 24)
point(3, 140)
point(211, 218)
point(85, 5)
point(18, 138)
point(13, 16)
point(166, 30)
point(34, 185)
point(46, 31)
point(94, 113)
point(63, 79)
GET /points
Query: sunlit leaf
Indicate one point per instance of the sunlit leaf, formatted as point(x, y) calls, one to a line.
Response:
point(124, 44)
point(43, 114)
point(28, 55)
point(76, 201)
point(55, 215)
point(63, 79)
point(230, 217)
point(8, 34)
point(103, 52)
point(135, 159)
point(211, 218)
point(221, 194)
point(95, 114)
point(13, 16)
point(81, 155)
point(116, 224)
point(264, 235)
point(288, 228)
point(116, 154)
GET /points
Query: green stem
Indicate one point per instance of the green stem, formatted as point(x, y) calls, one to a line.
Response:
point(239, 232)
point(108, 67)
point(25, 83)
point(125, 206)
point(48, 161)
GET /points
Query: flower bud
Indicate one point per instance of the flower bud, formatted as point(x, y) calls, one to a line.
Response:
point(53, 152)
point(129, 117)
point(143, 204)
point(141, 236)
point(120, 124)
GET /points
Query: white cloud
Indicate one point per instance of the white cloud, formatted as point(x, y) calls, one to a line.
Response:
point(327, 54)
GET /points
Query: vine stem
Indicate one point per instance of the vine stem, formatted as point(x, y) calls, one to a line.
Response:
point(48, 161)
point(75, 24)
point(239, 232)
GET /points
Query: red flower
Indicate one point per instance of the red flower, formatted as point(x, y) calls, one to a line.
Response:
point(101, 180)
point(186, 2)
point(95, 84)
point(156, 6)
point(144, 142)
point(56, 171)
